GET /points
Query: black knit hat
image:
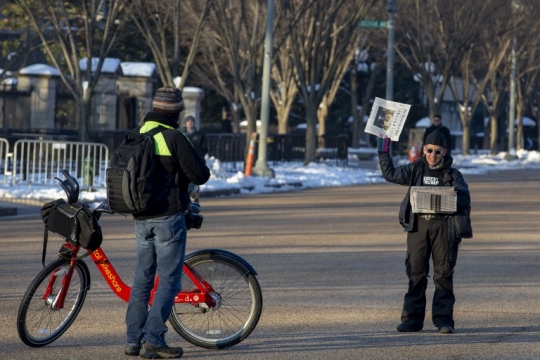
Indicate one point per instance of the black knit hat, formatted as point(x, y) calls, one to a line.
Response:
point(168, 100)
point(436, 138)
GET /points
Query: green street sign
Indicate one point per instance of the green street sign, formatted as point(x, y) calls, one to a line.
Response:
point(373, 24)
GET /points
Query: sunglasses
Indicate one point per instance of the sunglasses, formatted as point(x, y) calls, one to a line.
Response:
point(437, 152)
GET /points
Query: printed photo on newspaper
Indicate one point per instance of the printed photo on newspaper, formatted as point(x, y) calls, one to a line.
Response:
point(387, 118)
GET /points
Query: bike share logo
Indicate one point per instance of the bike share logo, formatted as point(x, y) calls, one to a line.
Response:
point(104, 264)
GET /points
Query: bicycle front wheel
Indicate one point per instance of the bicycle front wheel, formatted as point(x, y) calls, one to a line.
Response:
point(40, 321)
point(238, 293)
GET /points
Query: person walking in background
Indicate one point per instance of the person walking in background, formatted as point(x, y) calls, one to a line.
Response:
point(196, 137)
point(438, 126)
point(226, 124)
point(198, 140)
point(428, 235)
point(161, 231)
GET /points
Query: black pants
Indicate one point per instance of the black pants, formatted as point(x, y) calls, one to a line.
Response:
point(430, 238)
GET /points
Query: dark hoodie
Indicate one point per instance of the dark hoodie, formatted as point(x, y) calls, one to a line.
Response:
point(418, 173)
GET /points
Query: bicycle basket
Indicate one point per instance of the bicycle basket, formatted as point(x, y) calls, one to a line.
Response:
point(72, 222)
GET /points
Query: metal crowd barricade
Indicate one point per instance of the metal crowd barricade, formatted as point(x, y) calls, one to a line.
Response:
point(4, 157)
point(38, 162)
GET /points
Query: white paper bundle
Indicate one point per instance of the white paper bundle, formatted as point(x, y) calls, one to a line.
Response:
point(433, 200)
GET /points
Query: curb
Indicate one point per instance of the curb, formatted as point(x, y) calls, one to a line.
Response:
point(32, 202)
point(8, 211)
point(215, 193)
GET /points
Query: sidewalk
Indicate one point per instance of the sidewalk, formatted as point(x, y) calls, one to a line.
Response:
point(18, 208)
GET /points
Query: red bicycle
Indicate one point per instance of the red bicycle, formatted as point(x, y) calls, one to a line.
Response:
point(219, 305)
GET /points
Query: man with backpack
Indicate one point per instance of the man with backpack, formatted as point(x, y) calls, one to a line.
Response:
point(160, 229)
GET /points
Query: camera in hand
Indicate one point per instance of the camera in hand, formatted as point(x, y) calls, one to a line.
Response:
point(193, 218)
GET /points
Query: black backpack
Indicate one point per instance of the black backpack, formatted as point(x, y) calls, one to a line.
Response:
point(132, 182)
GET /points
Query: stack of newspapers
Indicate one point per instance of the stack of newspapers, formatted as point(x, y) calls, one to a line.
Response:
point(433, 200)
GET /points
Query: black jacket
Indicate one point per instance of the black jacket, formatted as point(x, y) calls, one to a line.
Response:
point(412, 175)
point(177, 158)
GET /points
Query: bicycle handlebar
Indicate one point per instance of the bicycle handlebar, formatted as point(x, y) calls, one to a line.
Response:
point(70, 186)
point(102, 208)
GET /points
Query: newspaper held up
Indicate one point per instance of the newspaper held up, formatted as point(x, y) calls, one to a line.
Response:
point(387, 118)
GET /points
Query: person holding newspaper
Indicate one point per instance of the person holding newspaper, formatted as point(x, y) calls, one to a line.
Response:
point(428, 235)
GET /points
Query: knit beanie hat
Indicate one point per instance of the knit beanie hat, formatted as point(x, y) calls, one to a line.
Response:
point(168, 100)
point(436, 138)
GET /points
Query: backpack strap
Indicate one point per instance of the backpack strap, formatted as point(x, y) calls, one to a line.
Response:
point(154, 131)
point(137, 132)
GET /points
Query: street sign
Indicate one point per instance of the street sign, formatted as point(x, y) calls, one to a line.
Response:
point(373, 24)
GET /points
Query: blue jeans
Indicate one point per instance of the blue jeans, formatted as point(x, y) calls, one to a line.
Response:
point(161, 245)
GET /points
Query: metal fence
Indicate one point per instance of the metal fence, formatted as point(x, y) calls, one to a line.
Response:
point(5, 155)
point(229, 149)
point(38, 162)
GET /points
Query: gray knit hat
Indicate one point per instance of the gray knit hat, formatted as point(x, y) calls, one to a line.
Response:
point(168, 100)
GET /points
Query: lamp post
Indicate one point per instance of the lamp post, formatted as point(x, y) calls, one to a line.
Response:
point(392, 9)
point(511, 154)
point(261, 167)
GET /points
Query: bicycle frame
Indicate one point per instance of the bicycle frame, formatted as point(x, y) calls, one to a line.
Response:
point(58, 302)
point(201, 296)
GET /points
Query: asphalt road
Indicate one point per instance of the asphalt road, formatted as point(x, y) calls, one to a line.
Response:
point(331, 266)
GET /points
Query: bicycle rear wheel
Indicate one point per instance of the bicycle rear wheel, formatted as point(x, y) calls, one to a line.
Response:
point(39, 322)
point(238, 293)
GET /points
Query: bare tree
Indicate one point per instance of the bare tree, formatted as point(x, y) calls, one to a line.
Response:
point(71, 31)
point(435, 35)
point(18, 41)
point(493, 98)
point(470, 83)
point(528, 66)
point(534, 106)
point(159, 22)
point(322, 47)
point(284, 89)
point(418, 41)
point(439, 41)
point(358, 122)
point(236, 35)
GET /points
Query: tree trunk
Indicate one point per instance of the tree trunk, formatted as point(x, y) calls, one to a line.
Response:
point(311, 134)
point(283, 120)
point(519, 132)
point(466, 137)
point(322, 115)
point(494, 135)
point(83, 114)
point(354, 109)
point(487, 134)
